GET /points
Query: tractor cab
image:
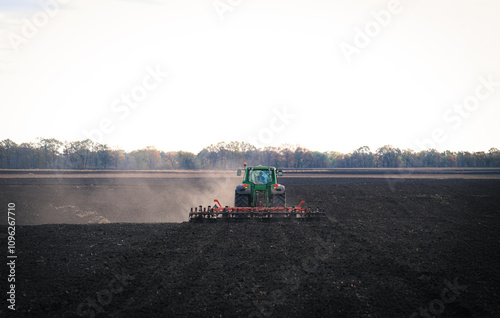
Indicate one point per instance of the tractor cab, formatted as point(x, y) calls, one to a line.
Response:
point(260, 175)
point(259, 188)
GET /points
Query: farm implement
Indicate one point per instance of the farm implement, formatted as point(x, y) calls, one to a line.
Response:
point(258, 197)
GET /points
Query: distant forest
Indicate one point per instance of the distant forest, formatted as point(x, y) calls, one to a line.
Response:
point(86, 154)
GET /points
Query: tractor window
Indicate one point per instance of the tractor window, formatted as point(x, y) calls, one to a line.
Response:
point(260, 176)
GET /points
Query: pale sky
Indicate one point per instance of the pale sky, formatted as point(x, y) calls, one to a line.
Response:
point(181, 75)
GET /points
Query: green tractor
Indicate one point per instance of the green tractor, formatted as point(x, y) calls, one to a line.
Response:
point(258, 197)
point(260, 188)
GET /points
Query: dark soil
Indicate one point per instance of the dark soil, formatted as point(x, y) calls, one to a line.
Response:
point(389, 248)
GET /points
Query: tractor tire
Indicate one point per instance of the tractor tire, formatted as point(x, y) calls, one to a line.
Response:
point(241, 200)
point(279, 200)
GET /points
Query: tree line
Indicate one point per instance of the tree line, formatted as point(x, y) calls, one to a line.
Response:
point(87, 154)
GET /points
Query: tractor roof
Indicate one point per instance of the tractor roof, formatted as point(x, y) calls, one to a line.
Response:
point(261, 168)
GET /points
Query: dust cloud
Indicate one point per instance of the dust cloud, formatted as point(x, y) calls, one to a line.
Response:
point(116, 200)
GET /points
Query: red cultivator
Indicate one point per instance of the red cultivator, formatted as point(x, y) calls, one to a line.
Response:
point(217, 212)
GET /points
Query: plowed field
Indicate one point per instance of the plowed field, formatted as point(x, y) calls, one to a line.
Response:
point(392, 246)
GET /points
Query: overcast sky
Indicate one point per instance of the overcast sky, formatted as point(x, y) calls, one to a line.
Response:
point(181, 75)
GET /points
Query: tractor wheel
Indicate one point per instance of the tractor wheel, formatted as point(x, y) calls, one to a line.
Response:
point(279, 200)
point(241, 200)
